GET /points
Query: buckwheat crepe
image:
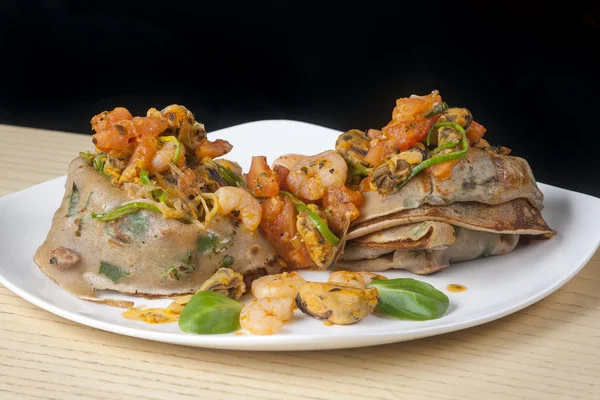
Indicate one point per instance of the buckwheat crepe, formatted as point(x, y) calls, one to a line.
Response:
point(481, 210)
point(142, 253)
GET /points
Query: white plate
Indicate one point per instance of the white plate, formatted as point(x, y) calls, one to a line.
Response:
point(497, 286)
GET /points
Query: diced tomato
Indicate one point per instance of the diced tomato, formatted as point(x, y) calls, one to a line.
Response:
point(340, 195)
point(475, 132)
point(365, 185)
point(379, 150)
point(282, 172)
point(261, 180)
point(106, 119)
point(214, 149)
point(278, 224)
point(409, 125)
point(405, 134)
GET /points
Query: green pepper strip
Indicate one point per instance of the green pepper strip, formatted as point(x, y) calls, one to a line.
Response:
point(173, 139)
point(99, 163)
point(440, 124)
point(448, 145)
point(358, 167)
point(124, 209)
point(163, 196)
point(438, 110)
point(319, 223)
point(144, 177)
point(230, 177)
point(444, 157)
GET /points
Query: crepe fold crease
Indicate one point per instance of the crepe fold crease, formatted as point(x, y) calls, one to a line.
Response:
point(134, 253)
point(481, 210)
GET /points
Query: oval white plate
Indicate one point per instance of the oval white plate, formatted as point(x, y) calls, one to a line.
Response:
point(497, 286)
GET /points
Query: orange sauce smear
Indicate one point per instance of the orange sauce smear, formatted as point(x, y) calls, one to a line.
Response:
point(456, 288)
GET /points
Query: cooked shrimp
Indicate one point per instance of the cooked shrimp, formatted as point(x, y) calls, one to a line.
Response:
point(288, 160)
point(280, 285)
point(310, 177)
point(355, 279)
point(165, 156)
point(266, 315)
point(214, 149)
point(239, 202)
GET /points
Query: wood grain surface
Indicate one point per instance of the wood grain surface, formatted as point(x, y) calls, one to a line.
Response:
point(550, 350)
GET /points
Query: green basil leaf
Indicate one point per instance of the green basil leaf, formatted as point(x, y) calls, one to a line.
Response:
point(205, 244)
point(73, 201)
point(407, 298)
point(210, 313)
point(113, 273)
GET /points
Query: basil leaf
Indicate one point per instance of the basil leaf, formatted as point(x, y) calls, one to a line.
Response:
point(407, 298)
point(73, 201)
point(210, 313)
point(113, 273)
point(206, 243)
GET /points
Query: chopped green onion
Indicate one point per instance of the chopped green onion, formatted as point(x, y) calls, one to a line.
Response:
point(87, 156)
point(144, 177)
point(124, 209)
point(113, 273)
point(444, 157)
point(173, 139)
point(99, 162)
point(440, 108)
point(163, 196)
point(319, 223)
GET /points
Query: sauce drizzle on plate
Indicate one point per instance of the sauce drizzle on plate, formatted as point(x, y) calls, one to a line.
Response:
point(456, 288)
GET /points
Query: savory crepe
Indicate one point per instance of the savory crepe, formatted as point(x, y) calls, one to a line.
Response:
point(153, 212)
point(435, 191)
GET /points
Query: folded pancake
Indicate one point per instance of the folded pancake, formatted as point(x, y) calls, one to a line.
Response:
point(482, 176)
point(469, 244)
point(142, 253)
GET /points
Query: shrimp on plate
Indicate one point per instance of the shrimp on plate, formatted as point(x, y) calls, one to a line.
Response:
point(286, 284)
point(266, 315)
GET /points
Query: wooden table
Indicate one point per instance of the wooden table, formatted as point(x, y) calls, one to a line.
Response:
point(548, 350)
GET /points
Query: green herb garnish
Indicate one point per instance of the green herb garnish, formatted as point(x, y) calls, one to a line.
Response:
point(359, 168)
point(226, 262)
point(73, 201)
point(206, 243)
point(407, 298)
point(210, 313)
point(87, 156)
point(113, 273)
point(173, 139)
point(319, 222)
point(99, 163)
point(125, 209)
point(440, 108)
point(144, 177)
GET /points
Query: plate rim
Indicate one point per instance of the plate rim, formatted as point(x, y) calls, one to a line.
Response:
point(300, 342)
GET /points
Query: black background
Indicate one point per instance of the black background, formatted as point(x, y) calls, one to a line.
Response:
point(527, 70)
